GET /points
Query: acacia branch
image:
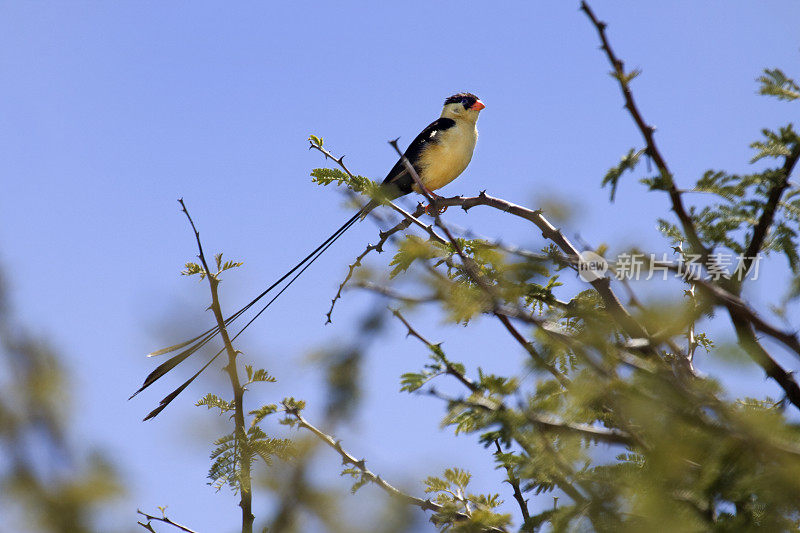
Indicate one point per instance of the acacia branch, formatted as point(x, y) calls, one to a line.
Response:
point(747, 340)
point(450, 369)
point(647, 132)
point(514, 482)
point(739, 308)
point(469, 384)
point(164, 518)
point(348, 458)
point(541, 421)
point(550, 232)
point(469, 265)
point(383, 236)
point(528, 346)
point(240, 430)
point(770, 208)
point(474, 274)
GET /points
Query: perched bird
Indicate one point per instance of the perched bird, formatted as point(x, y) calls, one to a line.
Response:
point(439, 154)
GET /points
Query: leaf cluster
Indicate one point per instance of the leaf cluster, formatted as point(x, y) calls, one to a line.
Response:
point(450, 491)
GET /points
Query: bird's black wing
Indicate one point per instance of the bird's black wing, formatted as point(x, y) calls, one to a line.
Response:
point(399, 178)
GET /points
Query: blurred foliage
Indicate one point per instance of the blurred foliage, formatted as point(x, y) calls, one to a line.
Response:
point(622, 432)
point(47, 484)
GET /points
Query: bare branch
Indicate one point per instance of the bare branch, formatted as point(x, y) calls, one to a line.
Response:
point(647, 132)
point(770, 208)
point(378, 247)
point(514, 482)
point(747, 340)
point(528, 345)
point(468, 383)
point(164, 519)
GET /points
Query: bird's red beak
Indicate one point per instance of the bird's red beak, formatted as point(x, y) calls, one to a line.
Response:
point(478, 105)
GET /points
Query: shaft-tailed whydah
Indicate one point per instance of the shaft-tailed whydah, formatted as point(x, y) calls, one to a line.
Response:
point(439, 154)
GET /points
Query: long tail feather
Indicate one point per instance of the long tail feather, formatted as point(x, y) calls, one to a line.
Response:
point(201, 340)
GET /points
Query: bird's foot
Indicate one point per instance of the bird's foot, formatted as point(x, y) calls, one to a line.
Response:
point(430, 208)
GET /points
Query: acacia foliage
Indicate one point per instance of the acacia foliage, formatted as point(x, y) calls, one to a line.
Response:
point(623, 430)
point(608, 418)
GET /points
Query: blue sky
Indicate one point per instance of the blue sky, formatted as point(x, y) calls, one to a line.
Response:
point(110, 111)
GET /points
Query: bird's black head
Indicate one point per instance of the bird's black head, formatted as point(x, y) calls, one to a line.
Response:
point(468, 100)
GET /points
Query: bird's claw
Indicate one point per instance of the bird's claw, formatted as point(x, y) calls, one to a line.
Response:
point(440, 210)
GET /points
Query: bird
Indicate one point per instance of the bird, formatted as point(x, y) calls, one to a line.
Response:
point(439, 154)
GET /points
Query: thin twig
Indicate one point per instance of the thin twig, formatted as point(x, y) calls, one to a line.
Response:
point(602, 285)
point(514, 482)
point(242, 451)
point(550, 232)
point(383, 236)
point(691, 334)
point(347, 458)
point(528, 346)
point(164, 519)
point(450, 369)
point(770, 208)
point(474, 274)
point(647, 132)
point(545, 422)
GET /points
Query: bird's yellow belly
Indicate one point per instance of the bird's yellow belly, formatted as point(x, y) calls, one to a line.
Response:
point(445, 161)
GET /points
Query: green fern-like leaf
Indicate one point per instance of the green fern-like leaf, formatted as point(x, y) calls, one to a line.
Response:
point(775, 83)
point(265, 447)
point(328, 176)
point(412, 381)
point(626, 77)
point(224, 466)
point(190, 269)
point(211, 401)
point(458, 477)
point(262, 412)
point(363, 480)
point(413, 249)
point(776, 144)
point(627, 163)
point(227, 265)
point(257, 375)
point(435, 484)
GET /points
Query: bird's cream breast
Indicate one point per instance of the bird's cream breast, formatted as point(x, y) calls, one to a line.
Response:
point(444, 160)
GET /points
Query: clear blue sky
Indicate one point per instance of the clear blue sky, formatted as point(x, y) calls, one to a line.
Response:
point(110, 111)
